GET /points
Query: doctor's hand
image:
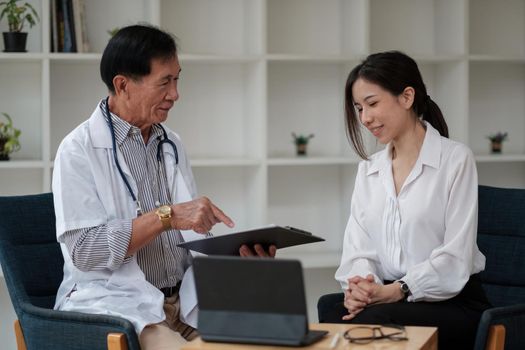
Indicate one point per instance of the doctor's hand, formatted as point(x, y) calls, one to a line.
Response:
point(199, 215)
point(258, 250)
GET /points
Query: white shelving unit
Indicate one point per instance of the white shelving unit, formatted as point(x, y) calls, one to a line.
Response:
point(253, 71)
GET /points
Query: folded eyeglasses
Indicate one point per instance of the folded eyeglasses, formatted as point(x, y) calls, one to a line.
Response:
point(367, 334)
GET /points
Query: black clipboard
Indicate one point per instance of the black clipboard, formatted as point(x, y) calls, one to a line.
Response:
point(229, 244)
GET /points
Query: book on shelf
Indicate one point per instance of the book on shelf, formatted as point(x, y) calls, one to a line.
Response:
point(68, 26)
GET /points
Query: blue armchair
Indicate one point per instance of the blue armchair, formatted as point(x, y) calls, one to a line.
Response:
point(501, 238)
point(33, 268)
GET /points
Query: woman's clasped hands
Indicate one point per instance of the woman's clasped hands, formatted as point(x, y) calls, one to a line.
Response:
point(362, 292)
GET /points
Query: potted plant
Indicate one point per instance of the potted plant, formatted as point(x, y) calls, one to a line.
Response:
point(301, 143)
point(8, 138)
point(113, 31)
point(17, 15)
point(496, 141)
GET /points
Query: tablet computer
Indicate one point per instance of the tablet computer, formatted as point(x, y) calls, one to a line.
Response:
point(229, 244)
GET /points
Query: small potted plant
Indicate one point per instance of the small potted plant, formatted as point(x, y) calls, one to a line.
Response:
point(8, 138)
point(496, 141)
point(17, 15)
point(301, 143)
point(113, 31)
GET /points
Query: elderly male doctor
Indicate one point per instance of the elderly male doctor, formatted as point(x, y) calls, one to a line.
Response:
point(125, 197)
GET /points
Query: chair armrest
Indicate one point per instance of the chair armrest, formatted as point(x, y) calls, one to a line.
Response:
point(511, 317)
point(52, 329)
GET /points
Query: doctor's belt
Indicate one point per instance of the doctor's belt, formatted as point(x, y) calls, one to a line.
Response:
point(169, 291)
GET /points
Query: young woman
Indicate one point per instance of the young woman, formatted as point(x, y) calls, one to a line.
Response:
point(409, 252)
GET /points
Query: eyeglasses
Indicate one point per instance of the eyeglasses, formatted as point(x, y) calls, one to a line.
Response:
point(367, 334)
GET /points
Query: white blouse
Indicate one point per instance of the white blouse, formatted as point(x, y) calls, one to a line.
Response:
point(426, 235)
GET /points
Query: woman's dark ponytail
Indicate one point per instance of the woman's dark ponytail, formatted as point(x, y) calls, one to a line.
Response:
point(434, 116)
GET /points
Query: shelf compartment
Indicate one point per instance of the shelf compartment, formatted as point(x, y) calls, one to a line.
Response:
point(307, 98)
point(446, 84)
point(220, 112)
point(424, 27)
point(305, 161)
point(231, 27)
point(497, 103)
point(237, 191)
point(103, 15)
point(500, 158)
point(22, 164)
point(69, 106)
point(225, 162)
point(497, 27)
point(34, 34)
point(21, 98)
point(16, 182)
point(325, 27)
point(501, 174)
point(297, 199)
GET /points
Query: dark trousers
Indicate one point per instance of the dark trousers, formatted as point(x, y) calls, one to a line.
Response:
point(457, 318)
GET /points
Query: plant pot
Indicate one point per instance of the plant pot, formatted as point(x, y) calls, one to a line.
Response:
point(15, 41)
point(301, 149)
point(3, 155)
point(496, 147)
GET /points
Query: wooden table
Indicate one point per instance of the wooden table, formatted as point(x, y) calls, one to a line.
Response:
point(424, 338)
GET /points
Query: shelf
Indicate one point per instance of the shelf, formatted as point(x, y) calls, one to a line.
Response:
point(306, 98)
point(194, 58)
point(226, 27)
point(311, 260)
point(312, 161)
point(330, 27)
point(90, 57)
point(221, 111)
point(497, 27)
point(16, 182)
point(313, 58)
point(254, 71)
point(423, 27)
point(22, 164)
point(496, 104)
point(21, 56)
point(497, 58)
point(224, 162)
point(495, 158)
point(21, 97)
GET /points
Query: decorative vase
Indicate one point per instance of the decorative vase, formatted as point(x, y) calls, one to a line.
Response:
point(301, 149)
point(15, 41)
point(496, 147)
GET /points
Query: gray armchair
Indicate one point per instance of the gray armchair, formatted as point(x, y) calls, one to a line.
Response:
point(33, 268)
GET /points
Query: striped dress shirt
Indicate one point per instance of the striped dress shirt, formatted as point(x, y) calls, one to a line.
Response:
point(105, 246)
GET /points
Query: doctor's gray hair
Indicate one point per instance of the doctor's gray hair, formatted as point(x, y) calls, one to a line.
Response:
point(130, 52)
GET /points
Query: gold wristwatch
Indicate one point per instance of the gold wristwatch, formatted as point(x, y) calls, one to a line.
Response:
point(164, 214)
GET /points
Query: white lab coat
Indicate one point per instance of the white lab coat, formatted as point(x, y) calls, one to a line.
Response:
point(89, 191)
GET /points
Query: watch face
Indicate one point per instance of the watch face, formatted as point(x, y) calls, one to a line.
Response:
point(165, 211)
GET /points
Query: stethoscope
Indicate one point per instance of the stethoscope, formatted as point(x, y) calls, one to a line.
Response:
point(162, 140)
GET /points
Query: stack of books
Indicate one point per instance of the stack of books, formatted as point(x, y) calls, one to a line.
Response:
point(68, 26)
